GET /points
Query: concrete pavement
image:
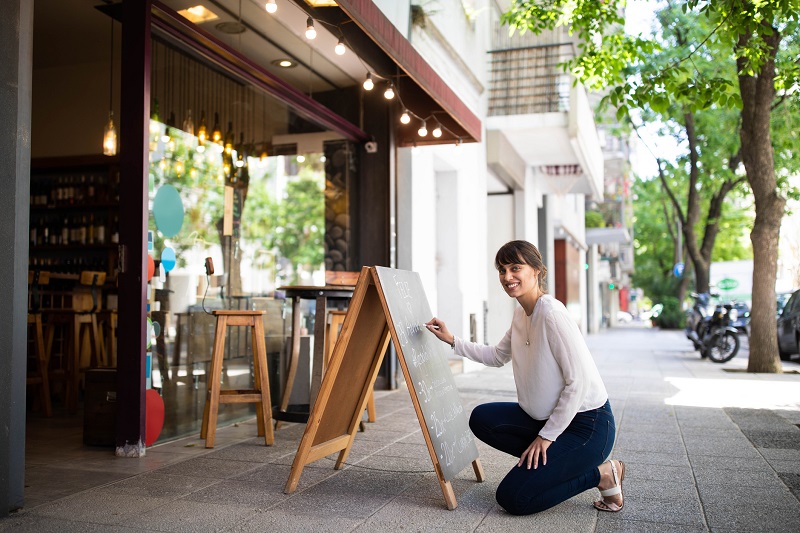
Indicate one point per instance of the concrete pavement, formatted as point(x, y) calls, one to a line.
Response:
point(707, 447)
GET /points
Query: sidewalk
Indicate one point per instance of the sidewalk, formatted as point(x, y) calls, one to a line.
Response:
point(707, 448)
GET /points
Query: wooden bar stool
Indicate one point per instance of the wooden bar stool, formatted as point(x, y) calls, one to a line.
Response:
point(77, 321)
point(334, 329)
point(260, 392)
point(38, 374)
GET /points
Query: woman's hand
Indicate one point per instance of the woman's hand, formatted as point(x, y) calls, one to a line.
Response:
point(537, 450)
point(438, 328)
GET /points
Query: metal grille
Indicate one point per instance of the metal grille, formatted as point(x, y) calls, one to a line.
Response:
point(529, 80)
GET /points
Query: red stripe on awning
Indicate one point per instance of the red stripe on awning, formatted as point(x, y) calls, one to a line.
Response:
point(375, 24)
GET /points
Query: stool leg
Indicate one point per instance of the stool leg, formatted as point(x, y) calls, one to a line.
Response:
point(261, 382)
point(293, 359)
point(97, 358)
point(74, 368)
point(212, 400)
point(41, 359)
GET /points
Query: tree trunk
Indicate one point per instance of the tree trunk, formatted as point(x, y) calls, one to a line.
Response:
point(757, 96)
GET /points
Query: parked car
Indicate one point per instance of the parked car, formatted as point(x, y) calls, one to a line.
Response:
point(742, 322)
point(789, 327)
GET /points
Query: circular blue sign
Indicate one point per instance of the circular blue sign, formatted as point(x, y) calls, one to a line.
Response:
point(168, 259)
point(168, 210)
point(678, 270)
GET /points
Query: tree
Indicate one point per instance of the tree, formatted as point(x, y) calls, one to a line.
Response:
point(761, 37)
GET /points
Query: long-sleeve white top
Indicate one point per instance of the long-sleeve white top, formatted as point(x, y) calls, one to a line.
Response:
point(555, 374)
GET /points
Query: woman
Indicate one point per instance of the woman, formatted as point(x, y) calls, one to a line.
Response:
point(562, 429)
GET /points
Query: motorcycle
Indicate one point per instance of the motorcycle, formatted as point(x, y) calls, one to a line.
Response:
point(714, 334)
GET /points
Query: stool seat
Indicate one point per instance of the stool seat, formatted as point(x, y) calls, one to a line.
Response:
point(259, 394)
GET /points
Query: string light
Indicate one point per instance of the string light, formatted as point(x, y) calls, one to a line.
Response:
point(311, 33)
point(405, 118)
point(368, 83)
point(271, 6)
point(423, 130)
point(389, 92)
point(437, 131)
point(340, 48)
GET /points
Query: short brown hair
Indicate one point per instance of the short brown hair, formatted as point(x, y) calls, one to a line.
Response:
point(522, 252)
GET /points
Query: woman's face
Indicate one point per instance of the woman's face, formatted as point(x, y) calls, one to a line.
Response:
point(518, 279)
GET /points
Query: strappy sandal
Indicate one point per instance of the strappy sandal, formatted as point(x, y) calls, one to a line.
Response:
point(611, 507)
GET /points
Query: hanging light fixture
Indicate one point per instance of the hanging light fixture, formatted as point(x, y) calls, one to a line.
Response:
point(405, 118)
point(202, 131)
point(437, 131)
point(229, 138)
point(368, 83)
point(423, 130)
point(389, 92)
point(188, 123)
point(311, 33)
point(271, 6)
point(340, 48)
point(110, 132)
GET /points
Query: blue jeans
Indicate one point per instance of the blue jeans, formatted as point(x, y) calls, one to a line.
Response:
point(572, 459)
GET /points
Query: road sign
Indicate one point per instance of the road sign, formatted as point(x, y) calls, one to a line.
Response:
point(678, 270)
point(727, 284)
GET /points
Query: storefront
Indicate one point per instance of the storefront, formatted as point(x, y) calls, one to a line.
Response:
point(298, 186)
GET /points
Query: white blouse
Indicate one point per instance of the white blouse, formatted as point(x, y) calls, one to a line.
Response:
point(555, 375)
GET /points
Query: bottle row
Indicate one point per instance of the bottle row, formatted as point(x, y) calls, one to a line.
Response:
point(74, 230)
point(69, 265)
point(74, 189)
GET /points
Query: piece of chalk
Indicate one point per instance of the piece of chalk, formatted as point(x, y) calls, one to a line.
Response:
point(435, 327)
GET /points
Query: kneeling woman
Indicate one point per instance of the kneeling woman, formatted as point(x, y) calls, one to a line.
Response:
point(562, 429)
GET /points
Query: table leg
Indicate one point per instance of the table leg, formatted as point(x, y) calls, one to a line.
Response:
point(294, 357)
point(318, 361)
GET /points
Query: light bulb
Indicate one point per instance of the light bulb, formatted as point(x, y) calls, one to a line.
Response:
point(166, 137)
point(201, 148)
point(405, 118)
point(340, 49)
point(110, 136)
point(311, 33)
point(202, 131)
point(368, 83)
point(301, 158)
point(437, 131)
point(216, 134)
point(271, 6)
point(423, 131)
point(389, 92)
point(179, 167)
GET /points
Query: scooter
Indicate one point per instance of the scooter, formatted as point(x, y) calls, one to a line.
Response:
point(714, 334)
point(697, 320)
point(721, 339)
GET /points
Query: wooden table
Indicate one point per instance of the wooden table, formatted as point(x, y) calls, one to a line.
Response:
point(322, 294)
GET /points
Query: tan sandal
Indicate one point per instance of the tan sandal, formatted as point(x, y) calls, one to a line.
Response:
point(612, 507)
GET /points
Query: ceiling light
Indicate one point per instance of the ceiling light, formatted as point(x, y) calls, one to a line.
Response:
point(368, 83)
point(271, 6)
point(340, 49)
point(311, 33)
point(284, 63)
point(405, 118)
point(423, 131)
point(389, 92)
point(197, 14)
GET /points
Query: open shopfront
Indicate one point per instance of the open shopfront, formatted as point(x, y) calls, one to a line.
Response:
point(278, 174)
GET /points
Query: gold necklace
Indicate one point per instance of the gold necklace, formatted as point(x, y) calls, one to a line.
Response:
point(528, 330)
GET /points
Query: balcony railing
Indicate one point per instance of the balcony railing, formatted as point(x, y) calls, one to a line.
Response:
point(528, 79)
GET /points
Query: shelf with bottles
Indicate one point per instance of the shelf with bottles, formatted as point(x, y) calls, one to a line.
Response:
point(74, 214)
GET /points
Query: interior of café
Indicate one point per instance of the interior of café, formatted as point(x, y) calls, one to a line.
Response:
point(250, 195)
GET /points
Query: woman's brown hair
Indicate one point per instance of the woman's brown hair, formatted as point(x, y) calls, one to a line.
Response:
point(522, 252)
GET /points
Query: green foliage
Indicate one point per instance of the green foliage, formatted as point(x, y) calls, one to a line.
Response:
point(593, 219)
point(672, 316)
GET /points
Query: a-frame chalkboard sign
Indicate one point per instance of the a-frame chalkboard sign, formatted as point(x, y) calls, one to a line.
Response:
point(389, 303)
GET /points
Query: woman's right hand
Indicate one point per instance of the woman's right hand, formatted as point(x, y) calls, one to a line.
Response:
point(439, 328)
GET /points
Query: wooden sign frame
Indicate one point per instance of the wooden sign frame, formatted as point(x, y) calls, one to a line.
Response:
point(355, 361)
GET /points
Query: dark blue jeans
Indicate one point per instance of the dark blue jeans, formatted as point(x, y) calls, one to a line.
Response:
point(572, 460)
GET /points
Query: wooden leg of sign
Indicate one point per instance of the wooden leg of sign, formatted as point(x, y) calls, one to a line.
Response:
point(476, 466)
point(449, 495)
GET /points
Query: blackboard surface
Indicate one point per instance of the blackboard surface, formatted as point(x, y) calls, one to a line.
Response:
point(425, 358)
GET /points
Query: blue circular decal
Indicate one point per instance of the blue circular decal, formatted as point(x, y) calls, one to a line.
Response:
point(168, 210)
point(168, 259)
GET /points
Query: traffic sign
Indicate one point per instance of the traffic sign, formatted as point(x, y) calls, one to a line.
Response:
point(727, 284)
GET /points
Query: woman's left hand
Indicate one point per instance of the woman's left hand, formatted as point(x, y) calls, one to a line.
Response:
point(537, 450)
